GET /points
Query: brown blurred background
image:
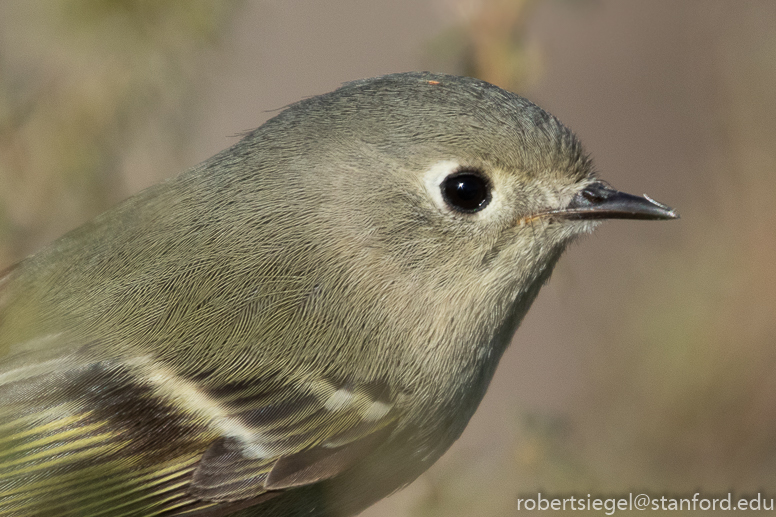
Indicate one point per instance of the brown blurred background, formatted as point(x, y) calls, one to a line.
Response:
point(647, 363)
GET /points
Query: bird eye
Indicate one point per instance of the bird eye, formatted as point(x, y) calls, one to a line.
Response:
point(466, 191)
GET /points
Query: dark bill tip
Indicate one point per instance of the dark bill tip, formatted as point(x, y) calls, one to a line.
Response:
point(598, 201)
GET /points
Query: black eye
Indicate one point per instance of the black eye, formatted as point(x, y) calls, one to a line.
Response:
point(466, 191)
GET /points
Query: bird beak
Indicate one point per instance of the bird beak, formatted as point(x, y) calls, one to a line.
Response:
point(598, 201)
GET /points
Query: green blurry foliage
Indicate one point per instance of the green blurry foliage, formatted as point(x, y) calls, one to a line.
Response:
point(81, 81)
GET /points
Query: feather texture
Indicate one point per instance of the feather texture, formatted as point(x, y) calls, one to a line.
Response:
point(299, 325)
point(109, 437)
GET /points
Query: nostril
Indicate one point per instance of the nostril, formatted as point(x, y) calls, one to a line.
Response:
point(596, 193)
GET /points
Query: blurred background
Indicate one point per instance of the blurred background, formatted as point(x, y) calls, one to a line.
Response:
point(646, 364)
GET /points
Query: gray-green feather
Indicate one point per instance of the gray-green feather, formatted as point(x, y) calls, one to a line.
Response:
point(306, 262)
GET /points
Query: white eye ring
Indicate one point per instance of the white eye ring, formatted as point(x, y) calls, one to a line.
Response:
point(434, 178)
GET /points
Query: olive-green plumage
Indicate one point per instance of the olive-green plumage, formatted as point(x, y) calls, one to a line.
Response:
point(299, 325)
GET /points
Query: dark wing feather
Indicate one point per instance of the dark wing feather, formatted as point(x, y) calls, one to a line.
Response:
point(303, 434)
point(91, 440)
point(129, 438)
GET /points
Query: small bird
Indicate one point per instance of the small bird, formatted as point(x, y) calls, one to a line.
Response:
point(303, 323)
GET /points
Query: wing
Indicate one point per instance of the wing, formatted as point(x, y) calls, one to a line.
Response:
point(131, 437)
